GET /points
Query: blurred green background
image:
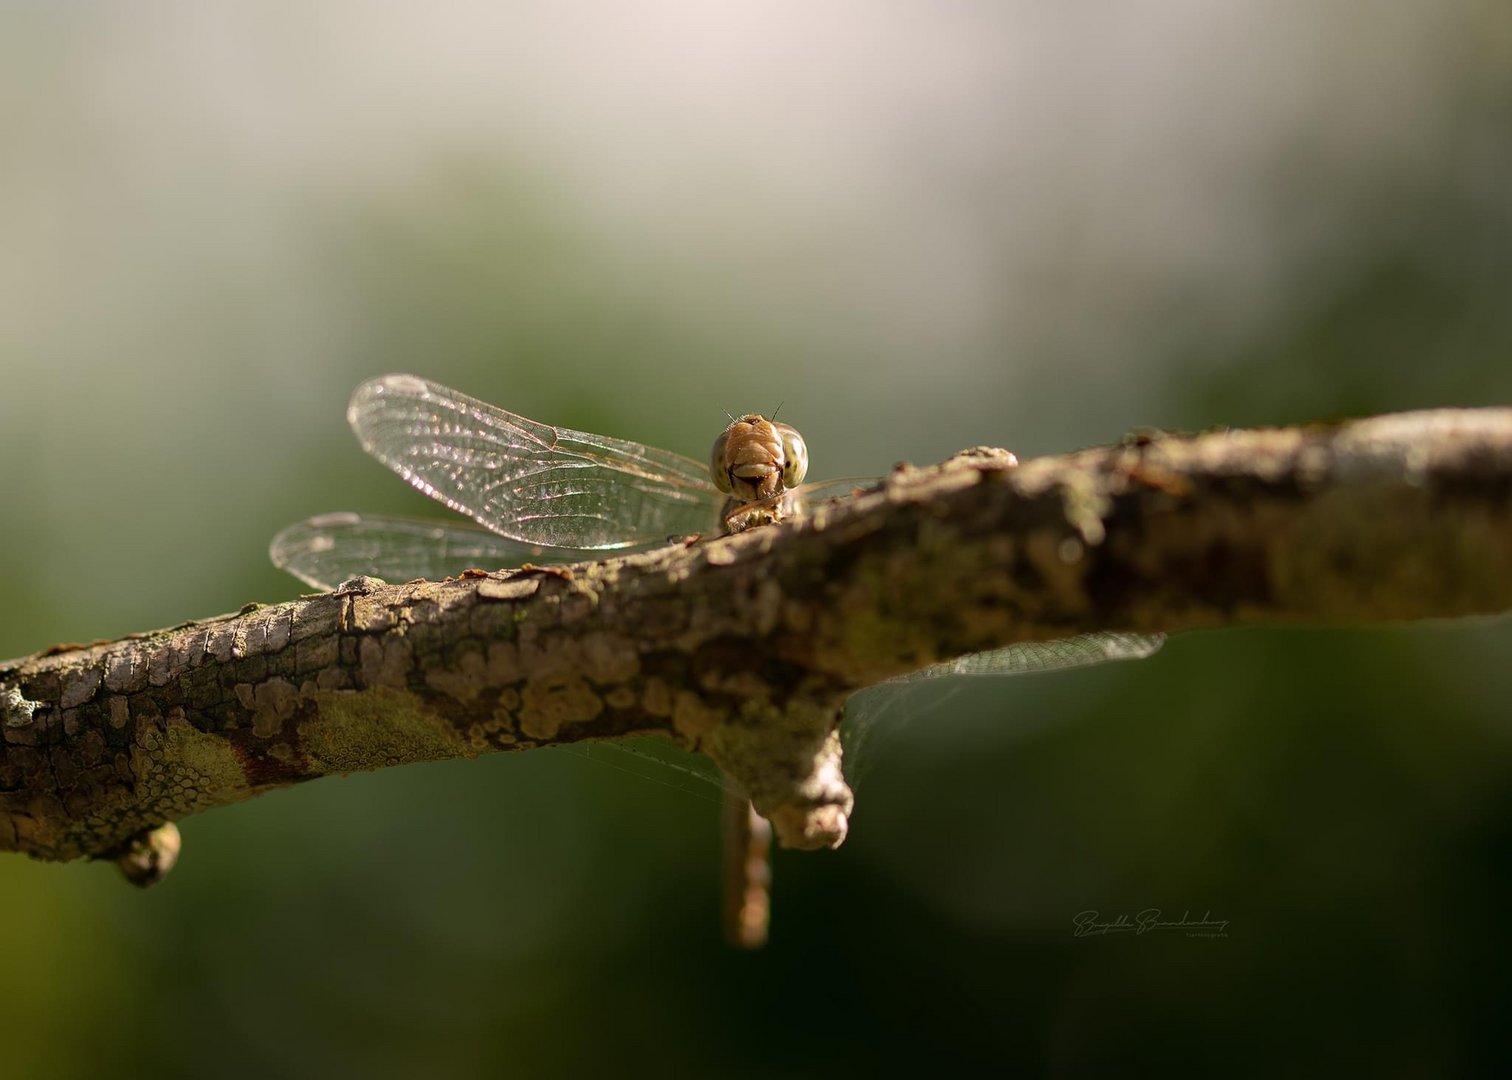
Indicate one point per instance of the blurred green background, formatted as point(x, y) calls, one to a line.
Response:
point(921, 226)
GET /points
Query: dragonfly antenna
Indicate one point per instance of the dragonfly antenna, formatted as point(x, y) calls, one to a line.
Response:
point(727, 413)
point(778, 409)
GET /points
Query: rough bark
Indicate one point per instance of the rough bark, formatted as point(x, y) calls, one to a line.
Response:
point(745, 647)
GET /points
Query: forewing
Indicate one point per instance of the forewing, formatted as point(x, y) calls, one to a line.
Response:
point(867, 709)
point(816, 494)
point(526, 480)
point(327, 550)
point(1079, 651)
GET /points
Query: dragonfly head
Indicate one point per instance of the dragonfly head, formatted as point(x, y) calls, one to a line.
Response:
point(756, 458)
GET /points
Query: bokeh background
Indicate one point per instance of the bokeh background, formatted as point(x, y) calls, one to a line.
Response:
point(922, 226)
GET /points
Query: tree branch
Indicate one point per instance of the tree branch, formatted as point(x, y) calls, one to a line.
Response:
point(746, 647)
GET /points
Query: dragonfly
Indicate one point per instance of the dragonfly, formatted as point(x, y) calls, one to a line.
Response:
point(538, 492)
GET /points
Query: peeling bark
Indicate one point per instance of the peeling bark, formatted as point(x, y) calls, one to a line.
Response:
point(746, 647)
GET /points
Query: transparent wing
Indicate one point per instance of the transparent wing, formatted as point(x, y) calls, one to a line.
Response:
point(327, 550)
point(1055, 655)
point(809, 496)
point(526, 480)
point(867, 709)
point(657, 760)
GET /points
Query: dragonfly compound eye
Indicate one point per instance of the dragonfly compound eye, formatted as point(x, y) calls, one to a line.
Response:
point(794, 456)
point(719, 466)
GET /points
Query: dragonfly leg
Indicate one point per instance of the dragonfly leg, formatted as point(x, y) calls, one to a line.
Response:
point(738, 516)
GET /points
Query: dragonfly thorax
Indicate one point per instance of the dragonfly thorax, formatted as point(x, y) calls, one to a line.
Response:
point(756, 458)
